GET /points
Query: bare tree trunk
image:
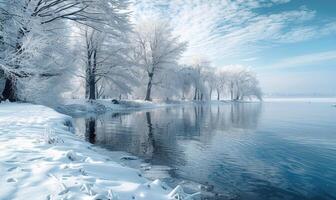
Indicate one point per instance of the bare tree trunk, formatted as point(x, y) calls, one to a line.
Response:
point(92, 79)
point(92, 88)
point(88, 66)
point(218, 95)
point(231, 91)
point(9, 91)
point(237, 96)
point(195, 94)
point(87, 89)
point(149, 87)
point(91, 66)
point(210, 94)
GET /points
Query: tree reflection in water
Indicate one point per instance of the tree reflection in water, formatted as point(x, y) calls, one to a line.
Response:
point(222, 146)
point(143, 133)
point(185, 137)
point(90, 132)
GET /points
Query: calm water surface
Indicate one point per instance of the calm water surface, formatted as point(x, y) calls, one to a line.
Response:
point(280, 150)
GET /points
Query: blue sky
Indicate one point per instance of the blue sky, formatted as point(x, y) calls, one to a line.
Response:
point(291, 44)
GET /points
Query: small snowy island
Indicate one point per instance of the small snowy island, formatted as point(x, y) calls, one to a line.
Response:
point(42, 159)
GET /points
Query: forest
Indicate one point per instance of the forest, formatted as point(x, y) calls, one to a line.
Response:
point(73, 49)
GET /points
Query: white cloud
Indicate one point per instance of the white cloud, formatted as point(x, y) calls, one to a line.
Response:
point(303, 33)
point(225, 29)
point(250, 59)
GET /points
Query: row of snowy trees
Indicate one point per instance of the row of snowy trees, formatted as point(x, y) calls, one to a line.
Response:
point(200, 81)
point(82, 48)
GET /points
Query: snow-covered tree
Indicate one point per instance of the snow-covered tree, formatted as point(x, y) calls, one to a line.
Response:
point(243, 84)
point(106, 51)
point(220, 82)
point(199, 65)
point(51, 43)
point(211, 78)
point(35, 38)
point(156, 49)
point(107, 67)
point(186, 80)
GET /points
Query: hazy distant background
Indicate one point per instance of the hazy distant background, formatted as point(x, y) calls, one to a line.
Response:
point(291, 44)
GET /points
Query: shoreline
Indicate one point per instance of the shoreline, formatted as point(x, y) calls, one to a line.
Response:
point(41, 156)
point(82, 107)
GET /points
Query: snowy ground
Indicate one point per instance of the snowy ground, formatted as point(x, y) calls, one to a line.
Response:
point(41, 159)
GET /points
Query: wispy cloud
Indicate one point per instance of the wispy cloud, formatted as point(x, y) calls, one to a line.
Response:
point(224, 29)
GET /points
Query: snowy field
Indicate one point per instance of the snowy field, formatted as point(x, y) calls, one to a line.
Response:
point(40, 158)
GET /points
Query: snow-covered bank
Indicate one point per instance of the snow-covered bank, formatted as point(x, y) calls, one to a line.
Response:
point(83, 106)
point(78, 107)
point(41, 159)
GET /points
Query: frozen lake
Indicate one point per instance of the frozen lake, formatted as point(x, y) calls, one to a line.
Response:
point(270, 150)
